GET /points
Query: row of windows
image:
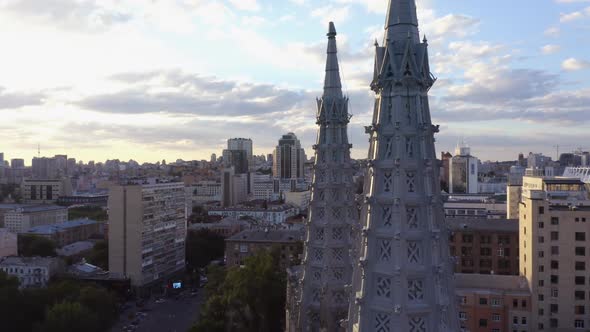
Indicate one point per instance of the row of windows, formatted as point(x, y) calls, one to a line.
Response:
point(468, 238)
point(554, 323)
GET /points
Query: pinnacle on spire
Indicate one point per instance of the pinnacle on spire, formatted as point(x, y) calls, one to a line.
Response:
point(332, 83)
point(401, 21)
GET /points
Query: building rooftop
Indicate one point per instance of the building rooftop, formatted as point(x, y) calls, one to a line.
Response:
point(271, 208)
point(259, 235)
point(27, 261)
point(480, 224)
point(75, 248)
point(491, 282)
point(51, 229)
point(30, 208)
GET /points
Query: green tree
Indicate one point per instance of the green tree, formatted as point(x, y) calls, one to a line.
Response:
point(32, 245)
point(70, 316)
point(202, 247)
point(251, 298)
point(91, 212)
point(99, 255)
point(102, 303)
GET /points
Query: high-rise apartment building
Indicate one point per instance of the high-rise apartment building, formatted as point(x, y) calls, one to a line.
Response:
point(17, 163)
point(403, 280)
point(244, 144)
point(554, 240)
point(288, 158)
point(147, 231)
point(463, 171)
point(45, 168)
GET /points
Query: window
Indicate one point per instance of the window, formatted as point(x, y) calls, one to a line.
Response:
point(554, 265)
point(483, 301)
point(580, 266)
point(485, 239)
point(541, 209)
point(541, 224)
point(501, 252)
point(553, 322)
point(541, 297)
point(462, 316)
point(541, 283)
point(503, 239)
point(463, 300)
point(554, 308)
point(554, 221)
point(580, 295)
point(580, 280)
point(523, 321)
point(541, 254)
point(579, 323)
point(554, 292)
point(485, 251)
point(515, 320)
point(523, 303)
point(580, 310)
point(580, 236)
point(483, 322)
point(541, 268)
point(554, 236)
point(541, 239)
point(541, 312)
point(580, 251)
point(467, 238)
point(496, 302)
point(554, 279)
point(555, 250)
point(495, 317)
point(515, 303)
point(541, 326)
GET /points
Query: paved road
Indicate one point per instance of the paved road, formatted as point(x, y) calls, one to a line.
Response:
point(170, 316)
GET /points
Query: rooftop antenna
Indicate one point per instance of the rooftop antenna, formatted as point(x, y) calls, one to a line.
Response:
point(38, 150)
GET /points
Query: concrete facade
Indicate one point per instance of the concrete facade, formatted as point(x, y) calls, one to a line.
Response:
point(554, 252)
point(248, 242)
point(22, 217)
point(147, 231)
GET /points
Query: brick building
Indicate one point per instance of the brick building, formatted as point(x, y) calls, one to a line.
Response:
point(249, 242)
point(493, 303)
point(485, 246)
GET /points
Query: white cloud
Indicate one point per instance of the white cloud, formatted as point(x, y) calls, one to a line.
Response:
point(332, 13)
point(573, 64)
point(574, 16)
point(248, 5)
point(550, 49)
point(552, 32)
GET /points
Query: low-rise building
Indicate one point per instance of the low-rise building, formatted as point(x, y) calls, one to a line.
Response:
point(484, 246)
point(67, 232)
point(249, 242)
point(31, 271)
point(226, 227)
point(480, 206)
point(76, 249)
point(299, 199)
point(272, 214)
point(493, 303)
point(204, 191)
point(22, 217)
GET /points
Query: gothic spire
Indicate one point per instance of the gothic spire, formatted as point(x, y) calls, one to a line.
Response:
point(332, 84)
point(401, 21)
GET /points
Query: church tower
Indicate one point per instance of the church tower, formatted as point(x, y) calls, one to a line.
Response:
point(327, 264)
point(404, 279)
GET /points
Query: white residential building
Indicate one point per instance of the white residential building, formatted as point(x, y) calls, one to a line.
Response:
point(8, 243)
point(274, 214)
point(23, 217)
point(31, 271)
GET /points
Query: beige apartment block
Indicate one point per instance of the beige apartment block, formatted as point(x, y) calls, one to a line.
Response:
point(147, 231)
point(554, 252)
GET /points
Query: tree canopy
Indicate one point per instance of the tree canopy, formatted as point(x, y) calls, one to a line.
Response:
point(251, 298)
point(33, 245)
point(202, 247)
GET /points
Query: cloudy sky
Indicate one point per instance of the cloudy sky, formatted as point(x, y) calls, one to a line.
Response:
point(155, 79)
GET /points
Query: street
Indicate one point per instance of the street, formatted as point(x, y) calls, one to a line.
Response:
point(169, 316)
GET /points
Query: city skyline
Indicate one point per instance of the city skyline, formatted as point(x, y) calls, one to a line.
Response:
point(152, 80)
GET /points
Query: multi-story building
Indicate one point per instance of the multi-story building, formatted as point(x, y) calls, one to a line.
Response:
point(273, 214)
point(288, 158)
point(147, 231)
point(493, 303)
point(8, 243)
point(484, 246)
point(45, 168)
point(299, 199)
point(45, 191)
point(251, 241)
point(475, 206)
point(238, 159)
point(66, 232)
point(463, 171)
point(554, 251)
point(31, 271)
point(234, 187)
point(243, 144)
point(226, 227)
point(21, 218)
point(205, 191)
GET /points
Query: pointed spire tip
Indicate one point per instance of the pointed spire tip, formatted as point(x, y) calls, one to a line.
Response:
point(331, 30)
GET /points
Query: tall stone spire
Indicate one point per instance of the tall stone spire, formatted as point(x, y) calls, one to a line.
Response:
point(327, 264)
point(404, 279)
